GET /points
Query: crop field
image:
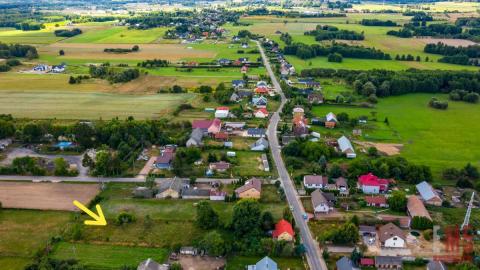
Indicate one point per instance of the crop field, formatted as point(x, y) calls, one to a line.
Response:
point(439, 139)
point(11, 35)
point(24, 232)
point(40, 104)
point(117, 34)
point(45, 196)
point(107, 256)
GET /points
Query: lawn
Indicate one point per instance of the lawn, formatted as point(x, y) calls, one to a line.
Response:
point(107, 256)
point(439, 139)
point(24, 232)
point(239, 262)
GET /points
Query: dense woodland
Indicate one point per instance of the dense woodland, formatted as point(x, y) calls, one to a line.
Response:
point(304, 51)
point(329, 32)
point(455, 55)
point(17, 50)
point(114, 75)
point(383, 83)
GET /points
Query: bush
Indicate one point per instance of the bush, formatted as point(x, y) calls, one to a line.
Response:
point(428, 234)
point(124, 218)
point(13, 62)
point(335, 57)
point(421, 223)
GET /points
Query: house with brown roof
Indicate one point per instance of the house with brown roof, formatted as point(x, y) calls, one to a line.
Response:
point(315, 181)
point(376, 201)
point(391, 236)
point(342, 185)
point(416, 208)
point(208, 126)
point(252, 189)
point(315, 98)
point(388, 262)
point(220, 166)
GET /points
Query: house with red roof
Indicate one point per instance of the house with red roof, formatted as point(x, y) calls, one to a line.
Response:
point(283, 231)
point(367, 262)
point(222, 112)
point(208, 126)
point(221, 136)
point(261, 113)
point(244, 69)
point(376, 201)
point(261, 90)
point(371, 184)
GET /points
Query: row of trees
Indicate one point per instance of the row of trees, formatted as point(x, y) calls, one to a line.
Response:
point(153, 63)
point(135, 48)
point(67, 33)
point(377, 22)
point(12, 62)
point(329, 32)
point(304, 51)
point(390, 83)
point(462, 95)
point(17, 50)
point(114, 75)
point(467, 177)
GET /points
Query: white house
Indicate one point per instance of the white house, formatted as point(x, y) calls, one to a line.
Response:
point(346, 147)
point(314, 181)
point(261, 113)
point(222, 112)
point(391, 236)
point(320, 203)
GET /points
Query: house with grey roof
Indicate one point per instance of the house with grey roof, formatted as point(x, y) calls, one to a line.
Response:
point(256, 132)
point(195, 193)
point(436, 265)
point(388, 262)
point(171, 188)
point(264, 264)
point(196, 138)
point(320, 203)
point(345, 264)
point(260, 145)
point(150, 264)
point(345, 146)
point(428, 194)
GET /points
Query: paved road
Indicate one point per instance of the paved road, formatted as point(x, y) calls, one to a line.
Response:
point(313, 252)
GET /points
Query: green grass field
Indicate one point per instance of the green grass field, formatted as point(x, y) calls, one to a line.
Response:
point(107, 256)
point(24, 232)
point(11, 35)
point(439, 139)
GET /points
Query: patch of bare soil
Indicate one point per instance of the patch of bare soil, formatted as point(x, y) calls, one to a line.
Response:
point(45, 196)
point(448, 41)
point(388, 149)
point(200, 262)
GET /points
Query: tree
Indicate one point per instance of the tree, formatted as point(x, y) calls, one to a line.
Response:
point(124, 218)
point(347, 233)
point(267, 221)
point(176, 266)
point(421, 223)
point(150, 181)
point(398, 201)
point(72, 80)
point(61, 52)
point(7, 129)
point(61, 167)
point(87, 161)
point(372, 151)
point(213, 244)
point(368, 89)
point(287, 215)
point(206, 218)
point(471, 171)
point(356, 256)
point(246, 218)
point(135, 48)
point(342, 117)
point(335, 171)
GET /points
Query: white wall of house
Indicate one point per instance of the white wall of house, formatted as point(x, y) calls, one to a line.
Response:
point(315, 186)
point(371, 189)
point(322, 208)
point(395, 242)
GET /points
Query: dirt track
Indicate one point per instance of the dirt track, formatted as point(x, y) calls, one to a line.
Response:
point(45, 196)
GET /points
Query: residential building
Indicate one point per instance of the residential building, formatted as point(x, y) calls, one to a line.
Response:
point(171, 188)
point(196, 138)
point(142, 192)
point(342, 185)
point(164, 160)
point(208, 126)
point(391, 236)
point(388, 263)
point(345, 264)
point(367, 262)
point(256, 132)
point(345, 146)
point(320, 203)
point(428, 194)
point(416, 208)
point(252, 189)
point(283, 231)
point(371, 184)
point(376, 201)
point(260, 145)
point(365, 230)
point(188, 251)
point(315, 98)
point(230, 126)
point(315, 181)
point(222, 112)
point(220, 166)
point(264, 264)
point(261, 113)
point(261, 90)
point(238, 84)
point(221, 136)
point(300, 127)
point(330, 120)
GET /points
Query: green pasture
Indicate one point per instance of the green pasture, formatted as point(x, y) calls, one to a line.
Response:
point(120, 35)
point(108, 256)
point(437, 138)
point(44, 36)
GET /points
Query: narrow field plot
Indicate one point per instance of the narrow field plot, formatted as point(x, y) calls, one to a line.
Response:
point(117, 34)
point(171, 52)
point(10, 35)
point(45, 196)
point(108, 256)
point(448, 41)
point(87, 105)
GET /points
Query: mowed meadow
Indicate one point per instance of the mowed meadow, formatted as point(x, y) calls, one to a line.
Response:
point(437, 138)
point(375, 36)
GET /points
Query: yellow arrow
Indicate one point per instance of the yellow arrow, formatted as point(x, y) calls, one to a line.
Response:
point(99, 220)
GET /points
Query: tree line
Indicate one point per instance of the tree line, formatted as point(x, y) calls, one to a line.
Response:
point(377, 22)
point(455, 55)
point(67, 33)
point(304, 51)
point(113, 75)
point(329, 32)
point(17, 50)
point(385, 83)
